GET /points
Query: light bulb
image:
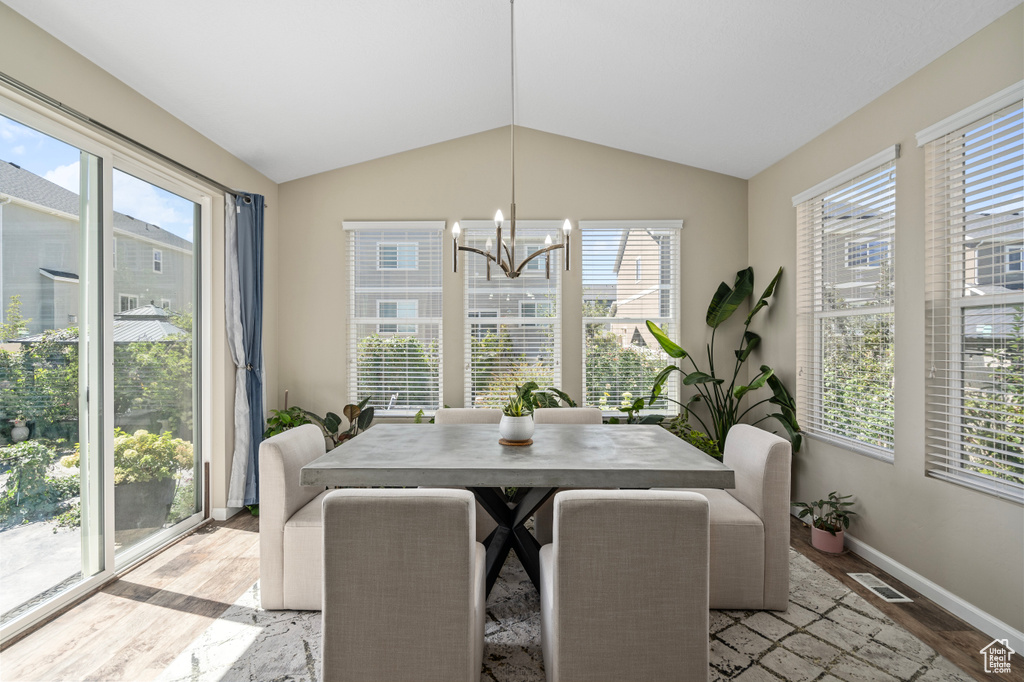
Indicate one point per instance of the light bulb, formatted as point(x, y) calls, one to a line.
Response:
point(498, 218)
point(547, 240)
point(456, 230)
point(487, 246)
point(566, 227)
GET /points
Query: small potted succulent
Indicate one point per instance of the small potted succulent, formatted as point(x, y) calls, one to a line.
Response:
point(829, 518)
point(516, 424)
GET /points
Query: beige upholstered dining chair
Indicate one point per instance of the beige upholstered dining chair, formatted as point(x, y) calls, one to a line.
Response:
point(567, 415)
point(467, 415)
point(607, 616)
point(291, 542)
point(558, 415)
point(750, 523)
point(403, 586)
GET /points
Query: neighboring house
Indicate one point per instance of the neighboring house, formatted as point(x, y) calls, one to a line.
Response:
point(643, 281)
point(994, 248)
point(39, 255)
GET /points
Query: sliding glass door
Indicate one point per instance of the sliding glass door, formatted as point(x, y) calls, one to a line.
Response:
point(51, 493)
point(156, 460)
point(100, 313)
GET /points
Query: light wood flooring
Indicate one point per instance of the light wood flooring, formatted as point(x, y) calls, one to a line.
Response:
point(133, 628)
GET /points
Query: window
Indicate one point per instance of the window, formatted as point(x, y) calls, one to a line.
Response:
point(536, 309)
point(521, 338)
point(845, 297)
point(128, 303)
point(620, 356)
point(165, 304)
point(974, 297)
point(158, 260)
point(395, 274)
point(399, 309)
point(397, 256)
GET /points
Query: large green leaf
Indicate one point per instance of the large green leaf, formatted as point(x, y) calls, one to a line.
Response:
point(659, 382)
point(750, 342)
point(727, 299)
point(365, 417)
point(669, 346)
point(768, 292)
point(332, 422)
point(757, 383)
point(700, 378)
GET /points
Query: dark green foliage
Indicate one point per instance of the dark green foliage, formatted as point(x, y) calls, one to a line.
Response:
point(722, 401)
point(832, 514)
point(30, 492)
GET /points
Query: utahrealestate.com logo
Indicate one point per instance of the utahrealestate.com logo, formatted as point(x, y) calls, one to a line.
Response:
point(997, 656)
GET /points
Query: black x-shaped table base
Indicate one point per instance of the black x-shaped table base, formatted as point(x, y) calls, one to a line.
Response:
point(510, 533)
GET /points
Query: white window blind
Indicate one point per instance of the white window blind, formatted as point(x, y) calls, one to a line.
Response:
point(975, 301)
point(845, 317)
point(395, 315)
point(512, 326)
point(630, 275)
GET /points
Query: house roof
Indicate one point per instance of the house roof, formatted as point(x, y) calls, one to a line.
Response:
point(728, 86)
point(22, 184)
point(147, 323)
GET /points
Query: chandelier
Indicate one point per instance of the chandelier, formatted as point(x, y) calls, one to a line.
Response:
point(507, 262)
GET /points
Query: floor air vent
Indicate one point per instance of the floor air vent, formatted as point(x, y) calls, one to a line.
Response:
point(881, 590)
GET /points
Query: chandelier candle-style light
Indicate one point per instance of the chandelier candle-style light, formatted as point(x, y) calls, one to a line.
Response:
point(507, 262)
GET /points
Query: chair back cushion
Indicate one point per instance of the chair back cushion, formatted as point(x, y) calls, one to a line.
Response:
point(763, 462)
point(620, 618)
point(398, 586)
point(281, 459)
point(567, 415)
point(467, 415)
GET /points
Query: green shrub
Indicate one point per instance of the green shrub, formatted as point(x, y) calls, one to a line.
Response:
point(143, 456)
point(30, 493)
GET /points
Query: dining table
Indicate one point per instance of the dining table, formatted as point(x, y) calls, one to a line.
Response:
point(560, 456)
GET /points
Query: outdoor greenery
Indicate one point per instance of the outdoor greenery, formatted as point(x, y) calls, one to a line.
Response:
point(832, 514)
point(402, 366)
point(30, 492)
point(993, 414)
point(858, 366)
point(143, 456)
point(723, 403)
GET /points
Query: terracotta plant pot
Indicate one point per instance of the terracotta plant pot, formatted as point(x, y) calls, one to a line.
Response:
point(824, 541)
point(516, 429)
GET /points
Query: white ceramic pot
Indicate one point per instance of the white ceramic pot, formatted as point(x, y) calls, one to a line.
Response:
point(19, 432)
point(516, 429)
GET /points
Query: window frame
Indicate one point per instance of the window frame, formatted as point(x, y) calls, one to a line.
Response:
point(158, 261)
point(399, 302)
point(674, 303)
point(398, 257)
point(950, 292)
point(812, 315)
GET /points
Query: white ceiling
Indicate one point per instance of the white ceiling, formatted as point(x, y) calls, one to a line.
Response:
point(299, 87)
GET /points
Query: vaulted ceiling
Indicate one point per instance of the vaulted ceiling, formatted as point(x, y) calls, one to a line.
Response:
point(299, 87)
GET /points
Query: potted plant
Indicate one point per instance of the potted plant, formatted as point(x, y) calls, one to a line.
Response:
point(516, 425)
point(19, 431)
point(829, 518)
point(147, 467)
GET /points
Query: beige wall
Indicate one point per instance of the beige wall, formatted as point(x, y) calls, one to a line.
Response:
point(468, 178)
point(36, 58)
point(969, 543)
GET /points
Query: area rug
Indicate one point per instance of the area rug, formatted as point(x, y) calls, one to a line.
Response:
point(829, 633)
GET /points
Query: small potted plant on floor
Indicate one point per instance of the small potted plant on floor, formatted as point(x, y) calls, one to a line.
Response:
point(516, 424)
point(829, 518)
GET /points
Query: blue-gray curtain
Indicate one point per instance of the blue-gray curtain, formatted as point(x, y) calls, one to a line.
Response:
point(249, 215)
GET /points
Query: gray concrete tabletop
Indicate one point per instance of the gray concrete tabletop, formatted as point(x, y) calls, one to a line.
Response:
point(562, 455)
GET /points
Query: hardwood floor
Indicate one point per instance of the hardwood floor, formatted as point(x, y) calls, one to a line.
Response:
point(133, 628)
point(941, 630)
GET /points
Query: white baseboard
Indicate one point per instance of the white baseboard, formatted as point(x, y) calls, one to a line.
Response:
point(984, 621)
point(225, 513)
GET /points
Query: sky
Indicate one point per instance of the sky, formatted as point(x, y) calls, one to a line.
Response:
point(58, 162)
